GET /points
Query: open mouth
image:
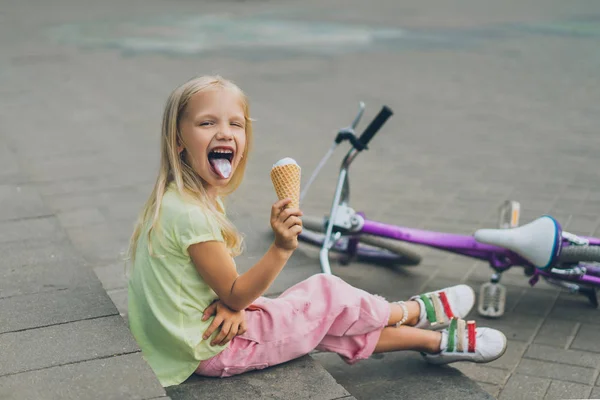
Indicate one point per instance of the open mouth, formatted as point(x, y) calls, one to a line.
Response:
point(220, 160)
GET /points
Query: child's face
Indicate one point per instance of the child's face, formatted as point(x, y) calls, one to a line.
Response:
point(213, 130)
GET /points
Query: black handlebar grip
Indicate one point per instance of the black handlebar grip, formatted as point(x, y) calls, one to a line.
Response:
point(375, 125)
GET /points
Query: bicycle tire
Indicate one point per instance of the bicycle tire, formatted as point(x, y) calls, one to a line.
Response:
point(575, 254)
point(408, 256)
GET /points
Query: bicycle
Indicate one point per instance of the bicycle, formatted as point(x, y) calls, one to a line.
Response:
point(541, 247)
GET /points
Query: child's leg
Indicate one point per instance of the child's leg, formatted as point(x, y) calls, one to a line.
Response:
point(408, 338)
point(325, 313)
point(296, 322)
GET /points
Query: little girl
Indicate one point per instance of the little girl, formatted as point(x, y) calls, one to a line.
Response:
point(190, 310)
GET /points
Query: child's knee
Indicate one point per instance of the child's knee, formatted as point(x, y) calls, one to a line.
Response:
point(326, 280)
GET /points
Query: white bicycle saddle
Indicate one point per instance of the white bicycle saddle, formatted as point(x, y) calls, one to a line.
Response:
point(538, 242)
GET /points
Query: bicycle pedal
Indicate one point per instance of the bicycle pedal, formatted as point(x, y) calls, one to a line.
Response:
point(492, 300)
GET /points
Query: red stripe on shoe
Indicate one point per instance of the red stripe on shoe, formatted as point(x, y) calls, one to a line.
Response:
point(471, 332)
point(446, 305)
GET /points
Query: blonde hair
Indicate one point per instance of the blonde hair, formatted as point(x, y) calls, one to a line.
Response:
point(174, 169)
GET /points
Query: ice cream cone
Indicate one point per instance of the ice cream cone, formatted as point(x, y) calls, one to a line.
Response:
point(285, 176)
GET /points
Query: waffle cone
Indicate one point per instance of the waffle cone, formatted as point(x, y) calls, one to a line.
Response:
point(286, 180)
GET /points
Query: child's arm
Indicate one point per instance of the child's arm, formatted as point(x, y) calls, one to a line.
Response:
point(214, 264)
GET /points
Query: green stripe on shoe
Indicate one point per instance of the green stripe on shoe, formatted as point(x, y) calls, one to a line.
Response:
point(429, 309)
point(451, 335)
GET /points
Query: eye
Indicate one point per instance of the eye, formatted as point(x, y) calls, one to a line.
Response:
point(206, 123)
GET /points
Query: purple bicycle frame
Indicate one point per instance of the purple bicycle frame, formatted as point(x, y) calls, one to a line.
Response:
point(499, 258)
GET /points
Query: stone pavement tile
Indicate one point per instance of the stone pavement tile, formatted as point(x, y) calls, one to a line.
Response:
point(80, 217)
point(21, 201)
point(51, 308)
point(560, 355)
point(302, 378)
point(112, 276)
point(483, 373)
point(43, 228)
point(560, 390)
point(587, 339)
point(556, 332)
point(535, 302)
point(516, 327)
point(9, 167)
point(493, 390)
point(129, 196)
point(584, 225)
point(121, 377)
point(400, 375)
point(30, 267)
point(544, 369)
point(101, 243)
point(524, 387)
point(119, 298)
point(575, 308)
point(512, 356)
point(598, 381)
point(63, 344)
point(595, 393)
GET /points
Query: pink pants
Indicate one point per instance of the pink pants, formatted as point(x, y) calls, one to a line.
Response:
point(322, 312)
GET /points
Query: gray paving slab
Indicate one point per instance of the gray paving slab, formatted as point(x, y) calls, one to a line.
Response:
point(587, 339)
point(112, 276)
point(51, 308)
point(367, 380)
point(21, 201)
point(302, 378)
point(482, 373)
point(42, 228)
point(522, 387)
point(569, 373)
point(560, 355)
point(30, 267)
point(120, 377)
point(9, 167)
point(64, 344)
point(595, 393)
point(556, 332)
point(559, 390)
point(575, 308)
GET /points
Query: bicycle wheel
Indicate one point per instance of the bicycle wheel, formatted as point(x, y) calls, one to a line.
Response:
point(371, 248)
point(575, 254)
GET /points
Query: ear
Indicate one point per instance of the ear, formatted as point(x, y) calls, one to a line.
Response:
point(180, 148)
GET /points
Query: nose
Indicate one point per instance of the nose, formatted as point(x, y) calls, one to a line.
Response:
point(225, 132)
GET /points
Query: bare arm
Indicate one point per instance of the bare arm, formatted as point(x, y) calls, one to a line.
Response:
point(214, 264)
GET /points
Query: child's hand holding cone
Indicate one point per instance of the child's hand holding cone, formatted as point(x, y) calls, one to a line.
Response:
point(285, 220)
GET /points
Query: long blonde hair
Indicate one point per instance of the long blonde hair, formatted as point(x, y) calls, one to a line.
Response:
point(187, 182)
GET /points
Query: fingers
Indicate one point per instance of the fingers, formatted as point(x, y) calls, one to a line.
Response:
point(279, 205)
point(232, 333)
point(291, 221)
point(242, 328)
point(225, 328)
point(213, 327)
point(210, 311)
point(278, 209)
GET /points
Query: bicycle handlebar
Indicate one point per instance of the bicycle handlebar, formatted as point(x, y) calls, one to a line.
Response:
point(374, 126)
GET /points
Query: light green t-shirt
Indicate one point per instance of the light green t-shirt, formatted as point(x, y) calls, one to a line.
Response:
point(167, 296)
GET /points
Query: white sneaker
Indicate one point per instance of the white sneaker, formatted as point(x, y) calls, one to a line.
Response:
point(439, 307)
point(463, 341)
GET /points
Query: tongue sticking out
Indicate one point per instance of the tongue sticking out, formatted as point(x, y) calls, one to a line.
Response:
point(222, 166)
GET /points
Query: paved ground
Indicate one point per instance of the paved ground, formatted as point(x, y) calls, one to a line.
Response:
point(491, 101)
